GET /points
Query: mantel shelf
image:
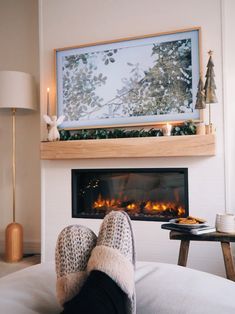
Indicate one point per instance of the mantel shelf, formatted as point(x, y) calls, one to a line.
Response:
point(172, 146)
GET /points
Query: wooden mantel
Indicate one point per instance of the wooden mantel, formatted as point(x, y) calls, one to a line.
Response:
point(172, 146)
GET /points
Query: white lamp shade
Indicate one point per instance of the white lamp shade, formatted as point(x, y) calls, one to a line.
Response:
point(17, 90)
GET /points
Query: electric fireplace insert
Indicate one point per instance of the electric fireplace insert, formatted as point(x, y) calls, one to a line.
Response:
point(158, 194)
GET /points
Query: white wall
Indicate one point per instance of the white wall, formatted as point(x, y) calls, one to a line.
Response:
point(20, 52)
point(74, 22)
point(228, 12)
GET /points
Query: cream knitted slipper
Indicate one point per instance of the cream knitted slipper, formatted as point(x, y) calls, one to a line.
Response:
point(73, 250)
point(114, 254)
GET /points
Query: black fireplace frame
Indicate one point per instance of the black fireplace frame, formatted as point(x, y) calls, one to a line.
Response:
point(75, 180)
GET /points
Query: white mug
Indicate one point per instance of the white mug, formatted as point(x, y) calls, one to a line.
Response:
point(225, 223)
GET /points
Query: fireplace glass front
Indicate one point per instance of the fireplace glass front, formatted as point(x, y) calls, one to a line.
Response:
point(145, 194)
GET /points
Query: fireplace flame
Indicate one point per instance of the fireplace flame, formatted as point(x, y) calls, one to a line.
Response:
point(132, 206)
point(104, 203)
point(162, 206)
point(141, 206)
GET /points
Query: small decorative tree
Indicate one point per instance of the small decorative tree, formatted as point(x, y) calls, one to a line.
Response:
point(210, 87)
point(200, 102)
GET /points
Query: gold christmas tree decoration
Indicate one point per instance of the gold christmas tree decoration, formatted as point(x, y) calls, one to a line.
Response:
point(210, 87)
point(200, 102)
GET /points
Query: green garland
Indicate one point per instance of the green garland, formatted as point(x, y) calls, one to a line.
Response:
point(188, 128)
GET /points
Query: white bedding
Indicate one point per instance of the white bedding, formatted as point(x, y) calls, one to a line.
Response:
point(161, 289)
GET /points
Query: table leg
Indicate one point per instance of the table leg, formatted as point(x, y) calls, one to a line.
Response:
point(228, 260)
point(183, 254)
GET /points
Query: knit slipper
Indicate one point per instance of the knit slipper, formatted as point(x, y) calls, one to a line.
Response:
point(73, 250)
point(114, 254)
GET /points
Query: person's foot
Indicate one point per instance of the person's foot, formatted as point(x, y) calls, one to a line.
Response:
point(73, 249)
point(114, 254)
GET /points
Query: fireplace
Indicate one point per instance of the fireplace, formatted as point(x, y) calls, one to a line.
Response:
point(145, 194)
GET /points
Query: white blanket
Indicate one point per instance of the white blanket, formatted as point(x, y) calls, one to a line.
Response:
point(161, 289)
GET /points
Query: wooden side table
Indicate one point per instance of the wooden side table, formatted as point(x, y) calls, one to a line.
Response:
point(224, 238)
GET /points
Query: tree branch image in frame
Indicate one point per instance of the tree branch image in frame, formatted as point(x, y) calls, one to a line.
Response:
point(134, 82)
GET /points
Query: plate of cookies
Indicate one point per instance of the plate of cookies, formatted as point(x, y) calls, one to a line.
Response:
point(190, 222)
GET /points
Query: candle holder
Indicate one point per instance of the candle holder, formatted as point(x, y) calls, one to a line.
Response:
point(201, 129)
point(166, 129)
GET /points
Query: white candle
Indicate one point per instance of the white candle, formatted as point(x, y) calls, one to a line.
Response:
point(48, 101)
point(166, 129)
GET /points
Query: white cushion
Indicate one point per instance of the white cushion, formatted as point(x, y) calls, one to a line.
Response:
point(161, 289)
point(172, 289)
point(29, 291)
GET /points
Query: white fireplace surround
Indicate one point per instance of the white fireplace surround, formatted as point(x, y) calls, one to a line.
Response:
point(152, 242)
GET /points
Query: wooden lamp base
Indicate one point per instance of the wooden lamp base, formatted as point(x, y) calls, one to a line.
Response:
point(13, 243)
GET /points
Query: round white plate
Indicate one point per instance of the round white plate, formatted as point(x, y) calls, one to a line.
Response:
point(174, 222)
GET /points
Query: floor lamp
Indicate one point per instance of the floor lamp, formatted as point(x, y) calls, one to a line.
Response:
point(17, 91)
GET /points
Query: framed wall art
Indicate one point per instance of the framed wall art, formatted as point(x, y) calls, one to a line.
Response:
point(135, 81)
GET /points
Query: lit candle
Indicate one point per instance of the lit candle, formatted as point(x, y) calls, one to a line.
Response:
point(48, 101)
point(166, 129)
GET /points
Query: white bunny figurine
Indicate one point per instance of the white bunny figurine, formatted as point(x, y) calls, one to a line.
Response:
point(53, 134)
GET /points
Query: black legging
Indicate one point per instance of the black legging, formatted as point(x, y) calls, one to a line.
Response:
point(99, 295)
